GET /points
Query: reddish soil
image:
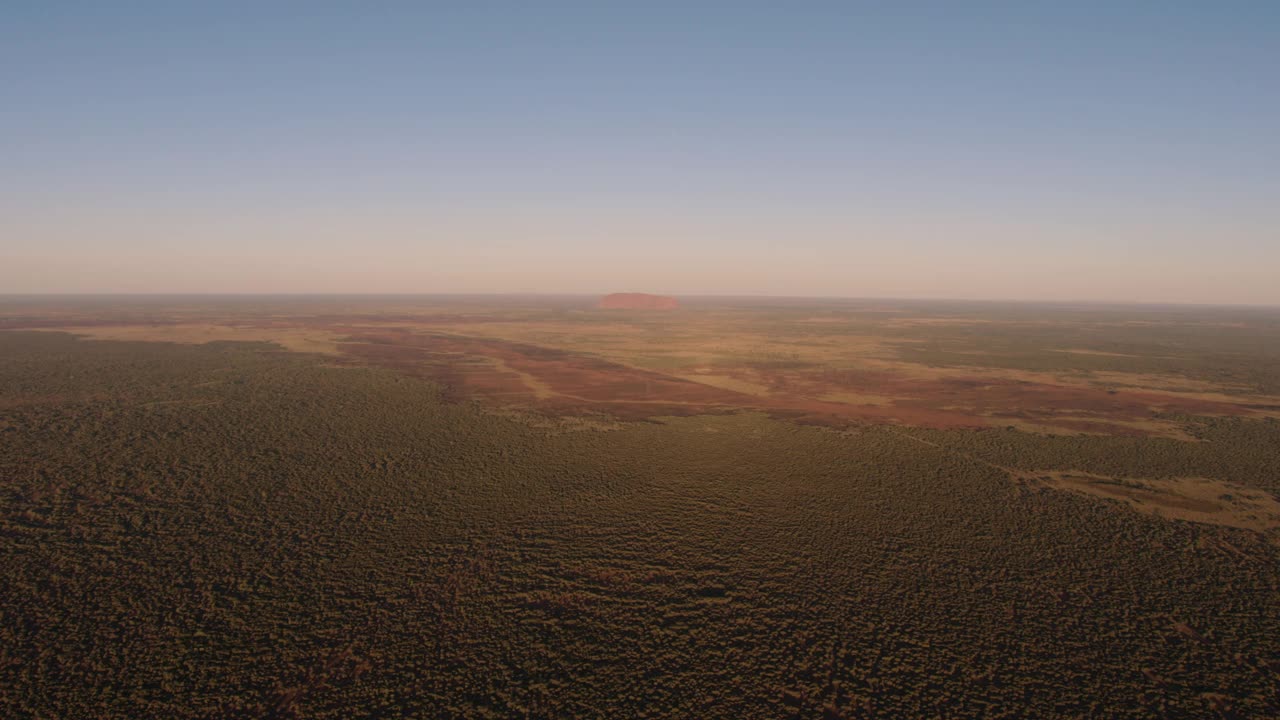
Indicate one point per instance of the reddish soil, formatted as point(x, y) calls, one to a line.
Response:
point(573, 384)
point(475, 367)
point(637, 301)
point(565, 383)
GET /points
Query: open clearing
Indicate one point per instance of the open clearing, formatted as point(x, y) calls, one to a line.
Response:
point(297, 339)
point(1192, 499)
point(853, 365)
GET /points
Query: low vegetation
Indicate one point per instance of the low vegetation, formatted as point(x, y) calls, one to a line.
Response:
point(219, 528)
point(229, 529)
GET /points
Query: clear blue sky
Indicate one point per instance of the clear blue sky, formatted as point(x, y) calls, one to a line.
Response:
point(1040, 150)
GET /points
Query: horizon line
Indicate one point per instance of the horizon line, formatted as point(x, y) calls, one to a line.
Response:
point(691, 296)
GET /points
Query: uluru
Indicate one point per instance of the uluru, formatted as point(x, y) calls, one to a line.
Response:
point(637, 301)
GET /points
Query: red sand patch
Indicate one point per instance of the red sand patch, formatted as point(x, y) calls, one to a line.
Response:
point(581, 383)
point(567, 383)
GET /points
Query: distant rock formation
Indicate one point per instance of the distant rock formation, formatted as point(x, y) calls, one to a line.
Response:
point(637, 301)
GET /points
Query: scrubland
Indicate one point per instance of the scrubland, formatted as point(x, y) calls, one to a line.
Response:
point(233, 529)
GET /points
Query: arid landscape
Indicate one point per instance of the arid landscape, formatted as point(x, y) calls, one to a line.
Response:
point(484, 506)
point(661, 360)
point(1051, 369)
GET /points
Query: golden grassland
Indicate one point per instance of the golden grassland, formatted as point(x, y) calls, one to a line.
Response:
point(296, 339)
point(1034, 372)
point(1192, 499)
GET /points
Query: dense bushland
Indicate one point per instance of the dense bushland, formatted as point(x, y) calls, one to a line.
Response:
point(227, 530)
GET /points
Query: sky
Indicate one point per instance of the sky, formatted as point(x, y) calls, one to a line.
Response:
point(1110, 151)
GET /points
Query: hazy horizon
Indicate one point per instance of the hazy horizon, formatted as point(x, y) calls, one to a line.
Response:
point(991, 152)
point(592, 296)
